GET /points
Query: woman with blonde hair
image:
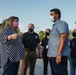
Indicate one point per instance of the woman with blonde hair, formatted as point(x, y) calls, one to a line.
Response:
point(14, 47)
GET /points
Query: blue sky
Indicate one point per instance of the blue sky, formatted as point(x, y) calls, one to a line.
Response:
point(37, 12)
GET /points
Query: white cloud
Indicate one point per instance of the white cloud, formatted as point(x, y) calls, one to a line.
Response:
point(22, 27)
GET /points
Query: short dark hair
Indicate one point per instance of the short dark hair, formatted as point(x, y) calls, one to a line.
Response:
point(56, 11)
point(48, 29)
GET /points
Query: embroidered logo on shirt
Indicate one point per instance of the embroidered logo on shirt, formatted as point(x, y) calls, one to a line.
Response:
point(36, 37)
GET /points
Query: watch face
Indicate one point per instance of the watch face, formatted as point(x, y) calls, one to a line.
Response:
point(59, 54)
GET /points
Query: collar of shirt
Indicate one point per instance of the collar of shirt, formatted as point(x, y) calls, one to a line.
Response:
point(57, 21)
point(30, 33)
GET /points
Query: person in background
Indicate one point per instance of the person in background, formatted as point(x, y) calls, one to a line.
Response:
point(44, 50)
point(14, 46)
point(58, 50)
point(73, 53)
point(31, 42)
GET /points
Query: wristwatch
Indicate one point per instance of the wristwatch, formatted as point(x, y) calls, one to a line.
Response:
point(59, 53)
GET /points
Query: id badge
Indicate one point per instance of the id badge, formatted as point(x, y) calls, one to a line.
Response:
point(46, 46)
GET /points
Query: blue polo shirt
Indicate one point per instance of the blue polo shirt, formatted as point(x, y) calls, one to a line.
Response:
point(58, 28)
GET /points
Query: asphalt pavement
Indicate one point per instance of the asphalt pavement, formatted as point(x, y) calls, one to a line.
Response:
point(38, 68)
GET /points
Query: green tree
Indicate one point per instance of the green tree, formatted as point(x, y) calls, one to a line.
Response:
point(41, 35)
point(70, 33)
point(2, 24)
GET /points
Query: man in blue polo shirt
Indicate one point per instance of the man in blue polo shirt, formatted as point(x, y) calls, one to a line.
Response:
point(58, 51)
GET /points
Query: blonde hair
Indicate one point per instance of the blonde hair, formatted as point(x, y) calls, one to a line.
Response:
point(9, 21)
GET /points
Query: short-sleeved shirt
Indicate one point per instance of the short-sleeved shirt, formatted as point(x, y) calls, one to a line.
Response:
point(12, 49)
point(45, 45)
point(73, 48)
point(58, 28)
point(30, 41)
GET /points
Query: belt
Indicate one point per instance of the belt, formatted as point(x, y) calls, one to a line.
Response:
point(27, 49)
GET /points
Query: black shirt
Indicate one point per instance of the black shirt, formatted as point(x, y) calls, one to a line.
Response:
point(73, 48)
point(30, 41)
point(45, 45)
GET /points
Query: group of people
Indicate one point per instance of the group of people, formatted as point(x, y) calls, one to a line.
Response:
point(55, 47)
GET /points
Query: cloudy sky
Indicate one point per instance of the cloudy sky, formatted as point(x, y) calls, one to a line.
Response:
point(37, 12)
